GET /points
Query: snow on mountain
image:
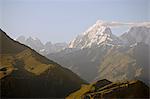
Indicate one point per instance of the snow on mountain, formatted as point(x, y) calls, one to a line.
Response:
point(21, 39)
point(34, 43)
point(129, 61)
point(53, 48)
point(98, 34)
point(87, 53)
point(38, 46)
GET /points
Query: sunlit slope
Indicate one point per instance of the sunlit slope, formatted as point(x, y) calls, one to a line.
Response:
point(24, 71)
point(123, 89)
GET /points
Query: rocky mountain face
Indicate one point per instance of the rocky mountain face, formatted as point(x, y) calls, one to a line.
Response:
point(96, 35)
point(122, 64)
point(41, 48)
point(104, 89)
point(97, 51)
point(137, 34)
point(53, 48)
point(35, 44)
point(26, 74)
point(83, 62)
point(126, 63)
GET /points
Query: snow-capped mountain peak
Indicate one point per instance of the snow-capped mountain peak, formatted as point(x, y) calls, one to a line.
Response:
point(101, 25)
point(97, 34)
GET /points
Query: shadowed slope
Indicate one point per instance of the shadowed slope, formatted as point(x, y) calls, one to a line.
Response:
point(25, 73)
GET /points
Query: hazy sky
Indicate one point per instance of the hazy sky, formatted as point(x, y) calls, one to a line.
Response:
point(62, 20)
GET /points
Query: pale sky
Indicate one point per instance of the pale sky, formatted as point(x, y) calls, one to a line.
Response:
point(63, 20)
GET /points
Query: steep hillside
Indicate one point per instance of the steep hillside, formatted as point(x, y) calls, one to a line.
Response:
point(126, 62)
point(83, 62)
point(26, 74)
point(105, 89)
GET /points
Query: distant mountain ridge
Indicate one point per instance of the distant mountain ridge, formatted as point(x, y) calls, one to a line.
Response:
point(41, 48)
point(137, 34)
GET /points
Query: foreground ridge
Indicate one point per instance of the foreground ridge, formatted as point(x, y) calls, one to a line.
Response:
point(106, 89)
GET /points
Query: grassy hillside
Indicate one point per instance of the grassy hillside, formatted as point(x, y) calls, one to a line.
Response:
point(25, 73)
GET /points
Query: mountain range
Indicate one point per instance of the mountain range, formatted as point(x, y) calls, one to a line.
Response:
point(97, 53)
point(40, 47)
point(115, 66)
